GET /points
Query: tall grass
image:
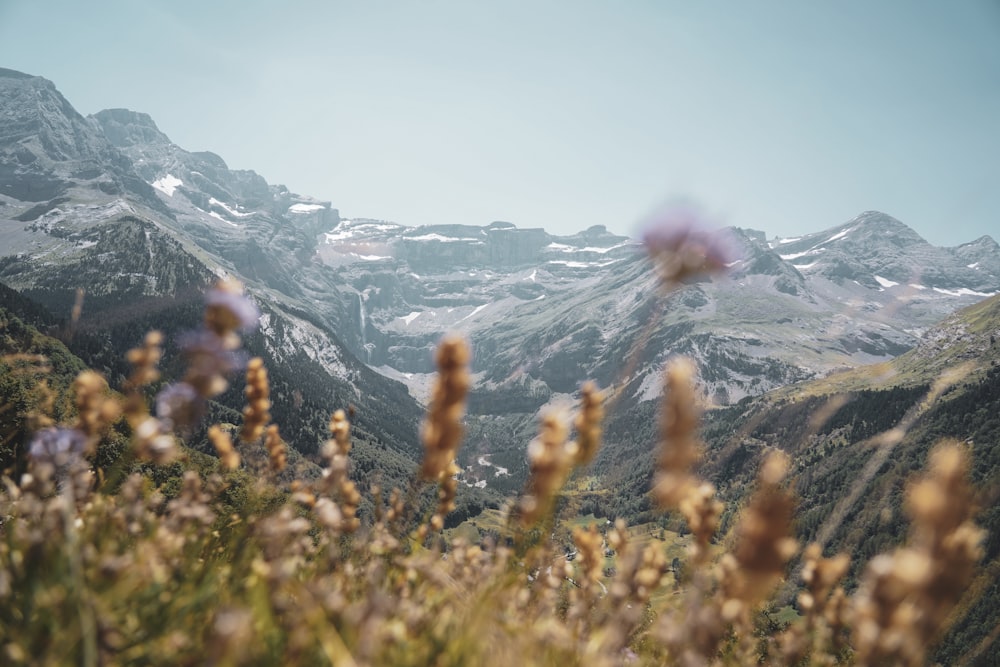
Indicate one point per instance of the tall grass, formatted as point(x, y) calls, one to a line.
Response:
point(105, 567)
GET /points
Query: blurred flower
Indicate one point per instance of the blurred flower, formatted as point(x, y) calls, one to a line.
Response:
point(57, 445)
point(179, 405)
point(229, 309)
point(210, 359)
point(684, 243)
point(152, 440)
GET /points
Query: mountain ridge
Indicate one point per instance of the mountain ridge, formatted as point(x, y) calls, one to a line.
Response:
point(543, 311)
point(109, 204)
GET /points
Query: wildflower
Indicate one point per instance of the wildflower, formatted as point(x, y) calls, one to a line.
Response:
point(905, 596)
point(153, 442)
point(588, 423)
point(335, 475)
point(820, 576)
point(227, 309)
point(256, 414)
point(681, 447)
point(95, 410)
point(144, 360)
point(210, 358)
point(683, 244)
point(340, 428)
point(277, 453)
point(179, 405)
point(588, 543)
point(549, 463)
point(223, 444)
point(442, 430)
point(763, 544)
point(58, 445)
point(675, 486)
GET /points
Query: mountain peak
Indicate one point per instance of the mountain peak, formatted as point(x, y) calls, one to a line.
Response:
point(14, 74)
point(875, 227)
point(124, 127)
point(26, 99)
point(985, 242)
point(879, 221)
point(875, 216)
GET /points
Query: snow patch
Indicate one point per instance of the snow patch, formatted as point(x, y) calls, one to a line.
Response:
point(409, 318)
point(796, 255)
point(305, 208)
point(349, 229)
point(219, 217)
point(439, 237)
point(331, 237)
point(885, 282)
point(793, 240)
point(840, 235)
point(650, 388)
point(816, 248)
point(582, 265)
point(236, 214)
point(473, 313)
point(167, 184)
point(963, 291)
point(485, 463)
point(562, 247)
point(532, 276)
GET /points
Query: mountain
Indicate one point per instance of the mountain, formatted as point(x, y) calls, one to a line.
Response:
point(879, 251)
point(851, 481)
point(545, 311)
point(352, 309)
point(78, 211)
point(109, 204)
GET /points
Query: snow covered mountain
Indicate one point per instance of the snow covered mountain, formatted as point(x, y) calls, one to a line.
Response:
point(109, 203)
point(544, 312)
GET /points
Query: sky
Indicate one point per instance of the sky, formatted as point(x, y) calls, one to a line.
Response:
point(787, 117)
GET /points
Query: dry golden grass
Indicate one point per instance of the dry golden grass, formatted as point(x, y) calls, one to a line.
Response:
point(232, 570)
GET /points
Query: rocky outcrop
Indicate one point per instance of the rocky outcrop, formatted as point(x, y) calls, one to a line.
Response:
point(48, 149)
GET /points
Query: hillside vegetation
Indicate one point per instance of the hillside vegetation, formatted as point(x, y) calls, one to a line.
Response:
point(119, 530)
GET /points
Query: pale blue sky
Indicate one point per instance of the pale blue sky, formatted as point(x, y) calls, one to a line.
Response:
point(789, 117)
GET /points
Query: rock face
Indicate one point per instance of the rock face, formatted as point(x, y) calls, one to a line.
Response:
point(125, 128)
point(559, 309)
point(47, 149)
point(876, 249)
point(109, 205)
point(543, 312)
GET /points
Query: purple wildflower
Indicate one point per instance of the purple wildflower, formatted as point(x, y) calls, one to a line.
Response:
point(58, 445)
point(684, 243)
point(243, 313)
point(210, 359)
point(179, 405)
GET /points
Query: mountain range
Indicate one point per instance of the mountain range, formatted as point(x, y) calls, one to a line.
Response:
point(109, 204)
point(352, 309)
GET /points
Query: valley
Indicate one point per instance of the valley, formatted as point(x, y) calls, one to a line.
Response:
point(859, 324)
